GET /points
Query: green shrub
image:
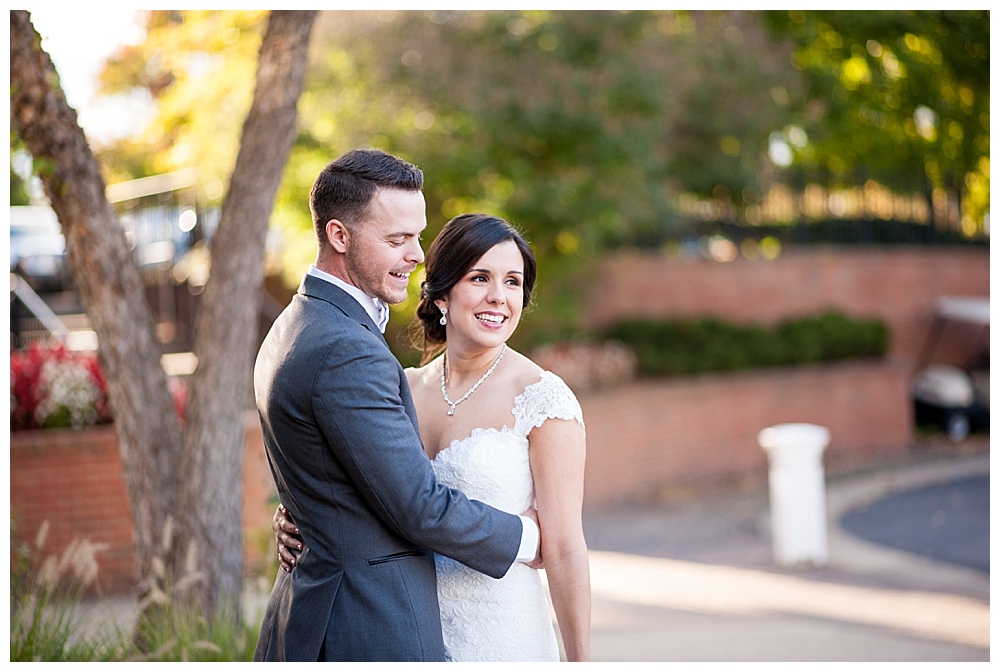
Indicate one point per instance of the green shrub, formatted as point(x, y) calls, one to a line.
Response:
point(679, 347)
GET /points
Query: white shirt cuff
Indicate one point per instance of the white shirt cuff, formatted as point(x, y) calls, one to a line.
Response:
point(529, 540)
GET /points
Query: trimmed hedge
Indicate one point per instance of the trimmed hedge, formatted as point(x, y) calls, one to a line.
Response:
point(679, 347)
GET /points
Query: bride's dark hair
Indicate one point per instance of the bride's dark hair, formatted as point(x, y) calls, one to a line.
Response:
point(461, 243)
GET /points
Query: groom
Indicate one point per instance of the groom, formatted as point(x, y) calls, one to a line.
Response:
point(343, 445)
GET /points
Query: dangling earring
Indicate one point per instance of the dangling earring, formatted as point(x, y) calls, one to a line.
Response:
point(444, 317)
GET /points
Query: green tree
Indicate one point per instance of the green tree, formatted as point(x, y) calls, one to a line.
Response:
point(586, 124)
point(539, 117)
point(731, 104)
point(197, 67)
point(580, 127)
point(901, 97)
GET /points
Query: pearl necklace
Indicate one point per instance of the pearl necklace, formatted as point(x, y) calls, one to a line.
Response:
point(444, 391)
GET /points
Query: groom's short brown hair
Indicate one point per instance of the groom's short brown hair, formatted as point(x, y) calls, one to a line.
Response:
point(345, 188)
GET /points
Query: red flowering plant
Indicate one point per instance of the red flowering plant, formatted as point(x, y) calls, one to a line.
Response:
point(52, 387)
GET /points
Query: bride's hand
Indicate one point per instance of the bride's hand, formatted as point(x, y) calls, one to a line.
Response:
point(285, 536)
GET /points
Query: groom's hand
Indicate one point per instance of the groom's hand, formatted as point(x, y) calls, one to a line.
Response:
point(285, 535)
point(537, 563)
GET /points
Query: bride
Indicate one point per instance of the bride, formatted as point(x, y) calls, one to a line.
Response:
point(503, 431)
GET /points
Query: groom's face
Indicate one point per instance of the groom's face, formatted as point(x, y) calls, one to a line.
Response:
point(385, 248)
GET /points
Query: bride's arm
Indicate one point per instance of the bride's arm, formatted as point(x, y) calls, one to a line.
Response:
point(558, 449)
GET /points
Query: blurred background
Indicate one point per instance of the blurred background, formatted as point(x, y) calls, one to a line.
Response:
point(742, 218)
point(727, 136)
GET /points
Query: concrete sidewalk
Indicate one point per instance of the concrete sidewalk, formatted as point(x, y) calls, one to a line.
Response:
point(695, 581)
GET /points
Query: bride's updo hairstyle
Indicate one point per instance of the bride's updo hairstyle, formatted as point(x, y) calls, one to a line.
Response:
point(461, 243)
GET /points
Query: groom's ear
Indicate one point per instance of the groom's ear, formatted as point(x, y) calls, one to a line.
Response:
point(337, 235)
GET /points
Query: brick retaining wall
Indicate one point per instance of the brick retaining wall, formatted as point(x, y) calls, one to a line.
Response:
point(73, 480)
point(668, 438)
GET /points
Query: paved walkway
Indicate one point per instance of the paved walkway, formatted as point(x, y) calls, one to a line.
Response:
point(695, 582)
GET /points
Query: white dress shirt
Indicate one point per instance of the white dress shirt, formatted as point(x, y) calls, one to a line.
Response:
point(378, 310)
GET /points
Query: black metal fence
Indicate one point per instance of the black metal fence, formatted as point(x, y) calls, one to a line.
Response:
point(857, 232)
point(853, 232)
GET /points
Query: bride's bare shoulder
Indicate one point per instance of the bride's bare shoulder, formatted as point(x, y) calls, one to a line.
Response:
point(418, 376)
point(524, 372)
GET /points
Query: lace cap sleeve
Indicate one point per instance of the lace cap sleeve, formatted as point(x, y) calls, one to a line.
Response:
point(550, 397)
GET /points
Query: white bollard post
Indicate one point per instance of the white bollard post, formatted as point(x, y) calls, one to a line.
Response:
point(797, 490)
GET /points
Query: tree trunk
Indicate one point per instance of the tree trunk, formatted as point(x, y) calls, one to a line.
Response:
point(186, 495)
point(210, 494)
point(110, 286)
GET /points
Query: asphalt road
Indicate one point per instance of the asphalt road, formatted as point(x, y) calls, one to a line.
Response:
point(945, 521)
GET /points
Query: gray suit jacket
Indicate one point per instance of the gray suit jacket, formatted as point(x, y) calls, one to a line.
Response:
point(344, 449)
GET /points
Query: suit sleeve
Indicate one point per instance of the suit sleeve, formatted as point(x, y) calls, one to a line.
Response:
point(358, 406)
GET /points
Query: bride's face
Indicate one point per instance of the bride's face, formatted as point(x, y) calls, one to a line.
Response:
point(484, 307)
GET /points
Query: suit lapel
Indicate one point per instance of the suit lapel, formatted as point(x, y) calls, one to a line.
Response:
point(326, 291)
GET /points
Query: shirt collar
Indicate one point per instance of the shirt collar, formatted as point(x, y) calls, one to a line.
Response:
point(377, 309)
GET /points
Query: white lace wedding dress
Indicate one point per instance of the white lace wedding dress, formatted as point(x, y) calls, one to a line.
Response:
point(507, 619)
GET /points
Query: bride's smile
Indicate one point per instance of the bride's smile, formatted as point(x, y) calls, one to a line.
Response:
point(485, 306)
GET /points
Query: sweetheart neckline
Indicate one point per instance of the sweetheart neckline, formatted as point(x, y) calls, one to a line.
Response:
point(483, 430)
point(476, 433)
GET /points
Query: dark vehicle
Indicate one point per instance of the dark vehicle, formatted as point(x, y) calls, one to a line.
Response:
point(957, 400)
